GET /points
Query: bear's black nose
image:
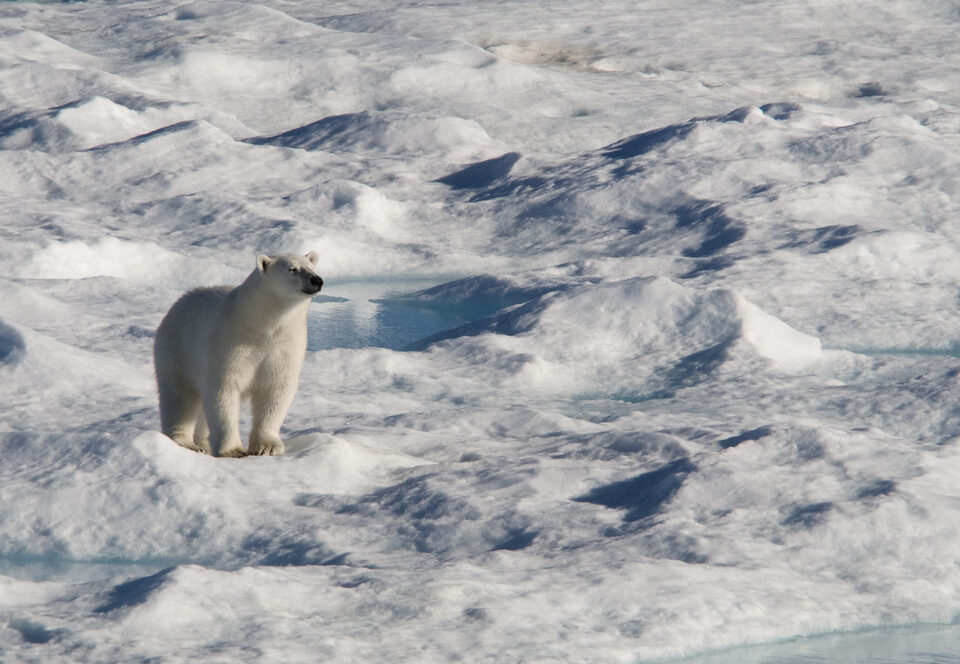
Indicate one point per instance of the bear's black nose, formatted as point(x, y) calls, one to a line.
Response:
point(316, 282)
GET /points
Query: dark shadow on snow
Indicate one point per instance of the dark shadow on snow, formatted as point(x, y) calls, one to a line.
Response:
point(32, 632)
point(516, 540)
point(823, 239)
point(134, 592)
point(321, 134)
point(871, 89)
point(719, 230)
point(477, 296)
point(639, 144)
point(695, 368)
point(808, 516)
point(877, 488)
point(278, 551)
point(515, 321)
point(780, 110)
point(753, 434)
point(643, 495)
point(432, 521)
point(12, 345)
point(705, 265)
point(481, 174)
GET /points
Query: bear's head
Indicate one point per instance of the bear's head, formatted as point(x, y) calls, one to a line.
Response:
point(290, 275)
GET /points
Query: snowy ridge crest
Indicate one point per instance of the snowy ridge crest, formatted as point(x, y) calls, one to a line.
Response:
point(644, 335)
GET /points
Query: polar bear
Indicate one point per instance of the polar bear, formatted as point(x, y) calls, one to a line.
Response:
point(219, 346)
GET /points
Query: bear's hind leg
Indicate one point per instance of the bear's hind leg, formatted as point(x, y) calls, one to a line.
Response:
point(179, 408)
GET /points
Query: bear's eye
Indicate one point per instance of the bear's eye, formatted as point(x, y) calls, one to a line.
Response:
point(294, 269)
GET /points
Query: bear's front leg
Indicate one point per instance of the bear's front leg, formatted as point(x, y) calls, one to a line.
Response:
point(221, 407)
point(265, 432)
point(270, 398)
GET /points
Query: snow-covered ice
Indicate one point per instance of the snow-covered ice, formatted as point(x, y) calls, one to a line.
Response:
point(639, 338)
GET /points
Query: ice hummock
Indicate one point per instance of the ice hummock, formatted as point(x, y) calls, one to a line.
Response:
point(645, 335)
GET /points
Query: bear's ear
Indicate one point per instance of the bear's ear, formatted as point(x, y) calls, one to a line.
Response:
point(313, 257)
point(262, 262)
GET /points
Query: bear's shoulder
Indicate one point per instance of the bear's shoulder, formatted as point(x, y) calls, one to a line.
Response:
point(206, 296)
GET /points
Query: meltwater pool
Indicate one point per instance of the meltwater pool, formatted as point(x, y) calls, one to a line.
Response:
point(358, 314)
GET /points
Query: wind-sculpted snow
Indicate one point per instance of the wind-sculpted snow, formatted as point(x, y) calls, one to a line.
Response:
point(690, 375)
point(644, 337)
point(387, 133)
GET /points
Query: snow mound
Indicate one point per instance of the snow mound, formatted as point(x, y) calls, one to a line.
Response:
point(646, 335)
point(107, 257)
point(196, 135)
point(346, 204)
point(773, 339)
point(910, 255)
point(97, 120)
point(449, 138)
point(314, 462)
point(35, 46)
point(223, 73)
point(87, 123)
point(179, 516)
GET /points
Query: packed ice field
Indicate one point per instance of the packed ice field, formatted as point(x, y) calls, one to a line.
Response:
point(638, 338)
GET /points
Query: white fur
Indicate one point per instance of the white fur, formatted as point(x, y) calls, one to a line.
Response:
point(219, 346)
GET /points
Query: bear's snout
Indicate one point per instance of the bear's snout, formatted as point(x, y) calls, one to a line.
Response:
point(316, 283)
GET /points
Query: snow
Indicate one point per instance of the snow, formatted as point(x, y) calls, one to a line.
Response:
point(638, 339)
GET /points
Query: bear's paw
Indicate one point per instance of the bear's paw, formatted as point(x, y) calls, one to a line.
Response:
point(234, 453)
point(266, 447)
